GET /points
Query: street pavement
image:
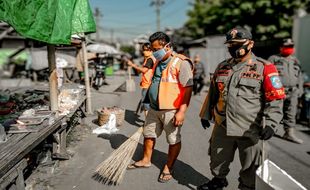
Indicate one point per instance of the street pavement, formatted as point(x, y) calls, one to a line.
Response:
point(192, 166)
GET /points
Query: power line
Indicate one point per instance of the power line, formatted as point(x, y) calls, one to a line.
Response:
point(178, 9)
point(135, 28)
point(168, 4)
point(133, 25)
point(130, 9)
point(168, 15)
point(115, 30)
point(157, 3)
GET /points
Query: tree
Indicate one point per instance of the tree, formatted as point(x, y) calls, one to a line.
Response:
point(265, 18)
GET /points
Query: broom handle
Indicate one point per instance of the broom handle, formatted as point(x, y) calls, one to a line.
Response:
point(263, 150)
point(263, 142)
point(129, 72)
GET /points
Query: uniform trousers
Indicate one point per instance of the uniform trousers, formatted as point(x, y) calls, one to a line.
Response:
point(290, 108)
point(222, 150)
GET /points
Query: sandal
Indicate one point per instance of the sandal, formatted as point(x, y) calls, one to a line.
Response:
point(135, 166)
point(163, 176)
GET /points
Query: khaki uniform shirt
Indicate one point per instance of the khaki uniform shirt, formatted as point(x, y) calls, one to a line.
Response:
point(236, 98)
point(289, 71)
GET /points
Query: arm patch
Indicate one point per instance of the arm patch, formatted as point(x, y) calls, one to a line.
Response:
point(273, 87)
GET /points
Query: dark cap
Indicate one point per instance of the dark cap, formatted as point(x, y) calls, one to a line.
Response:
point(288, 42)
point(238, 34)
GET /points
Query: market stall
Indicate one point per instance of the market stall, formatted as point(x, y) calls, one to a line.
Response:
point(33, 126)
point(29, 122)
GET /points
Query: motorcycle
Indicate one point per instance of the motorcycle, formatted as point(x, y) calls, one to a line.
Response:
point(98, 70)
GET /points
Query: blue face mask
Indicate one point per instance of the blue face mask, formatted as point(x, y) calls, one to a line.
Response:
point(160, 54)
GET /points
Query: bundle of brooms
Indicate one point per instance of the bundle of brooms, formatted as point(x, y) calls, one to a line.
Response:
point(111, 171)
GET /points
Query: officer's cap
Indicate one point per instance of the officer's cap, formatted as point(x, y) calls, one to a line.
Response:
point(238, 34)
point(288, 42)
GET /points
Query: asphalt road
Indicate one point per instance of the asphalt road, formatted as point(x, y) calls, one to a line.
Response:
point(192, 166)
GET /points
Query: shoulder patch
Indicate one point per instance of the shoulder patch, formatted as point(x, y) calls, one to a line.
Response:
point(276, 82)
point(272, 84)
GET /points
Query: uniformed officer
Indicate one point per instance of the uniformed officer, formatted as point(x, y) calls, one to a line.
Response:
point(292, 80)
point(244, 88)
point(199, 74)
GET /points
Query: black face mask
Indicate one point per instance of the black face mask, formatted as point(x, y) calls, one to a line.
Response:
point(238, 51)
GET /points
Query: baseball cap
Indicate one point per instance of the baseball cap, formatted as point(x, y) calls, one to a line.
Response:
point(238, 34)
point(288, 42)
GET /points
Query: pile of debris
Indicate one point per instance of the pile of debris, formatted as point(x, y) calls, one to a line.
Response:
point(12, 105)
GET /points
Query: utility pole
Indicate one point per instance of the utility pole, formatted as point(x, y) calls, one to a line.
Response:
point(98, 16)
point(157, 4)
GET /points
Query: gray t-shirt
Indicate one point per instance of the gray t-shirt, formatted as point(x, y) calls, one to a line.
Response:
point(185, 78)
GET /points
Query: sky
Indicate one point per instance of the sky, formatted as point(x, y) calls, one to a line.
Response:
point(127, 19)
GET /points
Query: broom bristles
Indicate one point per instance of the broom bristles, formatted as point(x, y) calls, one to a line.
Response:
point(111, 171)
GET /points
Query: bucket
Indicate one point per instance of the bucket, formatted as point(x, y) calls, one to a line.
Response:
point(104, 115)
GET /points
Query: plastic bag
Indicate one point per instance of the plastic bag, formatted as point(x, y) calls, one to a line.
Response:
point(109, 127)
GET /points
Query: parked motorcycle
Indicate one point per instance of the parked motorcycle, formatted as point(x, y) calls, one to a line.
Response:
point(99, 73)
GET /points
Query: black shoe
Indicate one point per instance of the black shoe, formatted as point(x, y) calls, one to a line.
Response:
point(214, 184)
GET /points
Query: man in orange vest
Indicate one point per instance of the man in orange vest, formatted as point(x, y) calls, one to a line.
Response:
point(147, 72)
point(169, 95)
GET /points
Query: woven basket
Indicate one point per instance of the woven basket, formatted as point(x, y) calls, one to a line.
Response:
point(103, 117)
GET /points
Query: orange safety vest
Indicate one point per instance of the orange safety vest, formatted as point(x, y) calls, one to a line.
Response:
point(146, 78)
point(171, 92)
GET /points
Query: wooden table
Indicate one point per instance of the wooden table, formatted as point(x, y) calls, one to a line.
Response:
point(13, 152)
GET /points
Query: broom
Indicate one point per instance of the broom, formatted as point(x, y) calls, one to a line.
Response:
point(111, 171)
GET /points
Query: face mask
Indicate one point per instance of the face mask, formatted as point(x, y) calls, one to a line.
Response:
point(238, 51)
point(160, 54)
point(286, 51)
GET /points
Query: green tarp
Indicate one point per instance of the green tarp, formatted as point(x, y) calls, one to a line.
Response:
point(51, 21)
